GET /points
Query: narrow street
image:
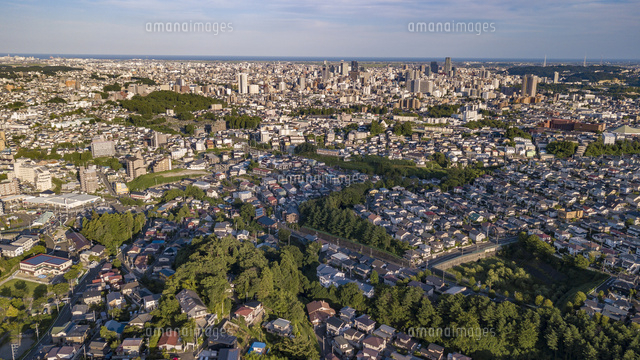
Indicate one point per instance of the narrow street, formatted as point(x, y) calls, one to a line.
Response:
point(65, 313)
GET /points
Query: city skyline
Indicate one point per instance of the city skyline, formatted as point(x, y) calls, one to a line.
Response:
point(331, 29)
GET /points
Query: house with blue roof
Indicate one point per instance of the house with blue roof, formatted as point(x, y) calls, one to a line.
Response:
point(258, 348)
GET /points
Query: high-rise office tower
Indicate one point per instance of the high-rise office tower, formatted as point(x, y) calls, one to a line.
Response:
point(529, 85)
point(447, 65)
point(325, 72)
point(243, 83)
point(426, 87)
point(354, 66)
point(556, 77)
point(434, 67)
point(414, 86)
point(344, 68)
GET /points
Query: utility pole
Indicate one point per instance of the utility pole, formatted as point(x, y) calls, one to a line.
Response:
point(14, 347)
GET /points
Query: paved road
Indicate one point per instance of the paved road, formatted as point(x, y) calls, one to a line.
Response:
point(321, 334)
point(13, 276)
point(65, 313)
point(107, 185)
point(605, 285)
point(468, 250)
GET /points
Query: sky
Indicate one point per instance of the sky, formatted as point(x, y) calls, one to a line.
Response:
point(508, 29)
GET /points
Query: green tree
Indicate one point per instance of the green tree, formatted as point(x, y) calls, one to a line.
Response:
point(579, 298)
point(350, 295)
point(376, 128)
point(40, 291)
point(284, 235)
point(374, 278)
point(108, 335)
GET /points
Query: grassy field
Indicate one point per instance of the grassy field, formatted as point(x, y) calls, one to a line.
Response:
point(148, 180)
point(531, 277)
point(30, 285)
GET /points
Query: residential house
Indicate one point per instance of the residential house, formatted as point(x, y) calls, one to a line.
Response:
point(251, 312)
point(336, 326)
point(130, 347)
point(364, 324)
point(170, 341)
point(280, 327)
point(319, 311)
point(342, 346)
point(191, 304)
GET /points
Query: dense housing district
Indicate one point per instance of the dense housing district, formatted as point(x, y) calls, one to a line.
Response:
point(318, 210)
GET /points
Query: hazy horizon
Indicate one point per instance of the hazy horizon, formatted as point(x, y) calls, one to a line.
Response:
point(382, 28)
point(550, 62)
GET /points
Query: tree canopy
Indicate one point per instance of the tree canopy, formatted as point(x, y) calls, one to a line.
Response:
point(112, 230)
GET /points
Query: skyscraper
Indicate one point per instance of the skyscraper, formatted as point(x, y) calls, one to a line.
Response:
point(556, 76)
point(354, 66)
point(344, 68)
point(243, 83)
point(447, 65)
point(529, 85)
point(415, 86)
point(434, 67)
point(325, 72)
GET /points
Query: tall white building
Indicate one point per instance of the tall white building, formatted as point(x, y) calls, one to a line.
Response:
point(243, 83)
point(344, 68)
